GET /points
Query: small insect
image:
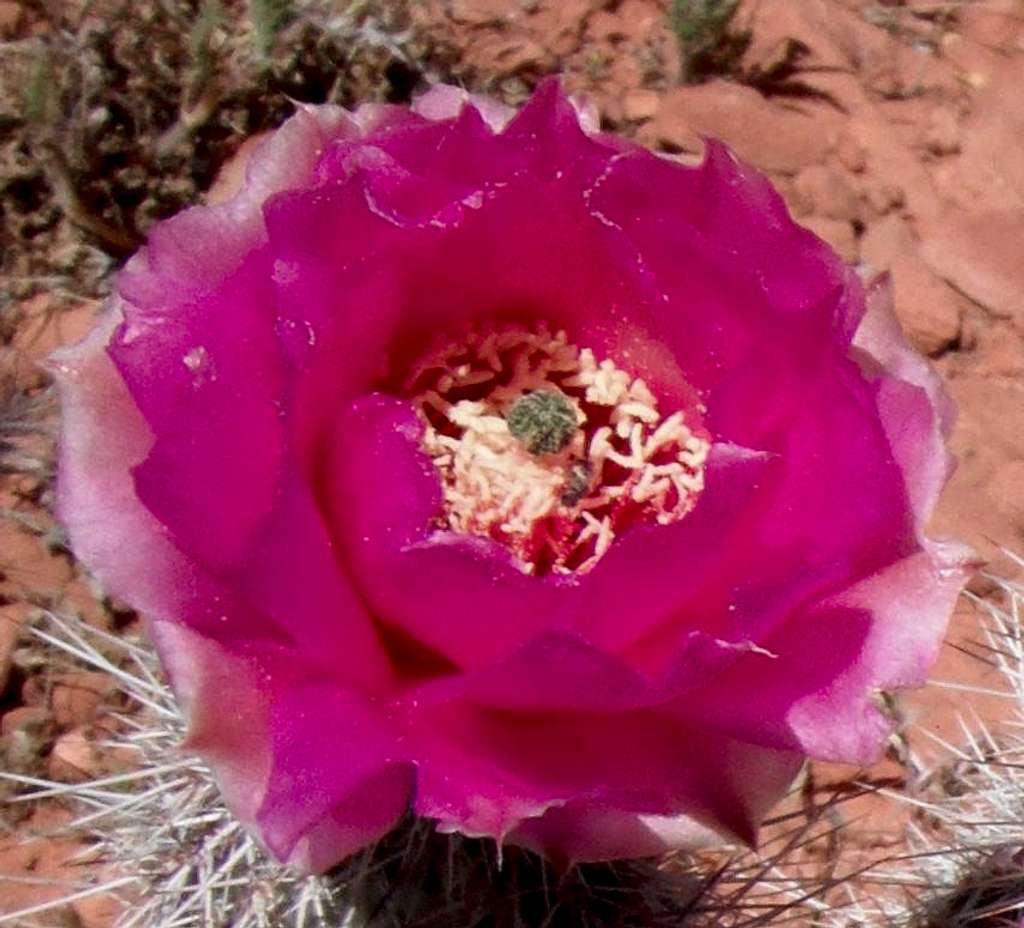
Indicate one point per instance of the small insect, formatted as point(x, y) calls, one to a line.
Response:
point(577, 484)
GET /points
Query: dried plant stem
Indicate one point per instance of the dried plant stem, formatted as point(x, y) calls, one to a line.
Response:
point(116, 240)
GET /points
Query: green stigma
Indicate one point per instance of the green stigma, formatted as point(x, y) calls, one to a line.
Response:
point(544, 421)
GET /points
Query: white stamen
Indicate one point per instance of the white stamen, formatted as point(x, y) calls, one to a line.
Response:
point(494, 487)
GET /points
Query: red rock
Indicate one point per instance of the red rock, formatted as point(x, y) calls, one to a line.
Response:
point(989, 174)
point(851, 153)
point(975, 63)
point(1007, 493)
point(928, 310)
point(994, 24)
point(73, 758)
point(639, 17)
point(638, 105)
point(999, 350)
point(25, 565)
point(883, 197)
point(11, 19)
point(10, 632)
point(518, 54)
point(80, 597)
point(559, 26)
point(670, 131)
point(800, 207)
point(33, 693)
point(624, 71)
point(878, 824)
point(773, 23)
point(885, 240)
point(939, 711)
point(50, 321)
point(610, 109)
point(980, 255)
point(842, 88)
point(989, 433)
point(76, 697)
point(232, 173)
point(828, 193)
point(102, 910)
point(27, 719)
point(26, 735)
point(479, 12)
point(841, 44)
point(838, 234)
point(772, 137)
point(605, 27)
point(942, 132)
point(35, 869)
point(892, 164)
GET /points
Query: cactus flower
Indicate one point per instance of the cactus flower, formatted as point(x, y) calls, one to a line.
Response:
point(482, 463)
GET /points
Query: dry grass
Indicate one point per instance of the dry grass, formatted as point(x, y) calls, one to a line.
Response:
point(122, 111)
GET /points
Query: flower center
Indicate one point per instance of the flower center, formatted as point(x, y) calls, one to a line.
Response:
point(547, 450)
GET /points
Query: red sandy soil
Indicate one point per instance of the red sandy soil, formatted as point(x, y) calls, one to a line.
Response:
point(894, 136)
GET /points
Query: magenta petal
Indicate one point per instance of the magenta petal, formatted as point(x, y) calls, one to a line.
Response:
point(314, 800)
point(815, 685)
point(591, 830)
point(464, 574)
point(562, 672)
point(651, 575)
point(910, 603)
point(915, 423)
point(227, 710)
point(223, 694)
point(440, 233)
point(360, 818)
point(240, 459)
point(485, 772)
point(834, 649)
point(768, 349)
point(192, 253)
point(382, 489)
point(443, 102)
point(880, 336)
point(334, 786)
point(700, 209)
point(588, 831)
point(198, 353)
point(213, 414)
point(426, 273)
point(838, 503)
point(292, 573)
point(384, 494)
point(557, 672)
point(96, 500)
point(111, 531)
